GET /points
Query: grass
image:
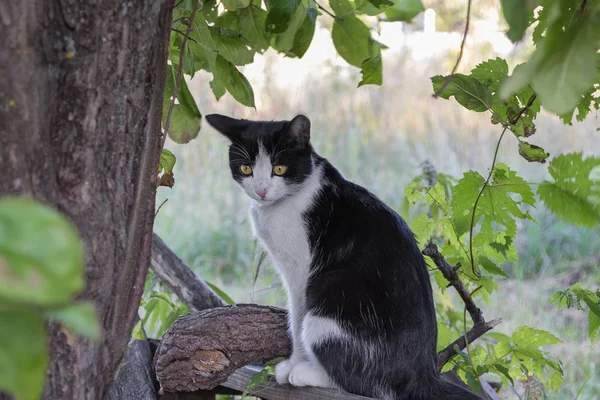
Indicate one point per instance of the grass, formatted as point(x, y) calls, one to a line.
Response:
point(378, 137)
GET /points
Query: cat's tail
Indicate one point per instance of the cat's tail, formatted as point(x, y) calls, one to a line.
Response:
point(444, 390)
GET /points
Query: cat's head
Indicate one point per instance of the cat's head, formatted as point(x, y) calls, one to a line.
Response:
point(269, 159)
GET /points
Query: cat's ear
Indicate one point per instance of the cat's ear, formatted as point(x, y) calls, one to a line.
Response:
point(229, 127)
point(299, 131)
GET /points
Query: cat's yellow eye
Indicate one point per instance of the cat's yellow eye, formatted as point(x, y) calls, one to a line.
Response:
point(245, 169)
point(279, 169)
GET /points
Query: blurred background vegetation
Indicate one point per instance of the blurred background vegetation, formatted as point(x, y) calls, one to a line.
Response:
point(379, 137)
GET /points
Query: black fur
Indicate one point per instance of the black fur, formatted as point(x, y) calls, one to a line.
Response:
point(367, 272)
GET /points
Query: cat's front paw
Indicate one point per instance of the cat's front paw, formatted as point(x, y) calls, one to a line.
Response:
point(282, 371)
point(309, 374)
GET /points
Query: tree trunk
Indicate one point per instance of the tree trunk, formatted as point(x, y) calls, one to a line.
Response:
point(81, 87)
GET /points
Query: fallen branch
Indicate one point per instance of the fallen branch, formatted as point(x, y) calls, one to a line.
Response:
point(190, 289)
point(200, 350)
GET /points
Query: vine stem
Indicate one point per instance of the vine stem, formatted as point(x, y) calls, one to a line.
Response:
point(487, 181)
point(460, 54)
point(179, 75)
point(320, 7)
point(485, 185)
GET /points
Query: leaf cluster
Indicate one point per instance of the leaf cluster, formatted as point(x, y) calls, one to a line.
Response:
point(41, 270)
point(223, 39)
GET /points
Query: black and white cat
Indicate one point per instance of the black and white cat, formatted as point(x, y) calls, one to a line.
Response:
point(362, 317)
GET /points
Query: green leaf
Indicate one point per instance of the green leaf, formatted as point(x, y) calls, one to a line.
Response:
point(532, 153)
point(404, 10)
point(351, 38)
point(342, 8)
point(258, 379)
point(23, 354)
point(280, 14)
point(138, 331)
point(371, 71)
point(41, 254)
point(218, 88)
point(80, 318)
point(527, 337)
point(284, 42)
point(221, 293)
point(217, 40)
point(517, 13)
point(183, 126)
point(468, 91)
point(185, 118)
point(234, 81)
point(252, 25)
point(381, 4)
point(491, 73)
point(167, 161)
point(593, 325)
point(304, 35)
point(491, 267)
point(574, 195)
point(464, 194)
point(504, 371)
point(236, 4)
point(562, 68)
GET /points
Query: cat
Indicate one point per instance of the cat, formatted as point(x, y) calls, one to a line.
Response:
point(362, 317)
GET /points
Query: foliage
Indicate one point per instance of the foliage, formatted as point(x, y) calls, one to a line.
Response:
point(222, 40)
point(474, 219)
point(41, 269)
point(157, 310)
point(576, 296)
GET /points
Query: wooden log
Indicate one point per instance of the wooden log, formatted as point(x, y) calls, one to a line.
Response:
point(270, 390)
point(200, 350)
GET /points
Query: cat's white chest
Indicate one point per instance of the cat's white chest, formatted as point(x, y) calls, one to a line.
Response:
point(282, 232)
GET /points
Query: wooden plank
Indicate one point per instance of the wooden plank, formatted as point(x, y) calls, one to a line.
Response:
point(270, 390)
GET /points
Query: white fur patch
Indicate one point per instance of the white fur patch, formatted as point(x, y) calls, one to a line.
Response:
point(281, 229)
point(263, 179)
point(316, 330)
point(309, 374)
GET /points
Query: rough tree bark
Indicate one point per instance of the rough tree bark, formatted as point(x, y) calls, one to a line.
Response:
point(200, 350)
point(81, 87)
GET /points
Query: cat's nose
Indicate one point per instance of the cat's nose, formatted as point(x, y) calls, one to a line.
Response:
point(261, 192)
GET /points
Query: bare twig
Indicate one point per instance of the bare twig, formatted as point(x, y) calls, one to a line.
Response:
point(487, 182)
point(326, 11)
point(183, 34)
point(472, 334)
point(451, 276)
point(159, 207)
point(460, 54)
point(582, 8)
point(480, 325)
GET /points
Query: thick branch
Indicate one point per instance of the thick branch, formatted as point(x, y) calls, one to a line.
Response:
point(472, 334)
point(190, 289)
point(450, 274)
point(200, 350)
